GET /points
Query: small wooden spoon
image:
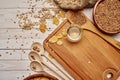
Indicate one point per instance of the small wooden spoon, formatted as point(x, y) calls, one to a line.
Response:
point(106, 37)
point(41, 53)
point(38, 67)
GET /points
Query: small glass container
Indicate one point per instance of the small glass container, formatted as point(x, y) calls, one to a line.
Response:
point(74, 33)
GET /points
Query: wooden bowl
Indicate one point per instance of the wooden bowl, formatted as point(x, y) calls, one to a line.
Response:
point(103, 21)
point(40, 75)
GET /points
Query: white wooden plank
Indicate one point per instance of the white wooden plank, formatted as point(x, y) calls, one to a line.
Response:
point(23, 3)
point(18, 44)
point(23, 34)
point(6, 55)
point(20, 39)
point(15, 75)
point(11, 54)
point(20, 66)
point(24, 55)
point(14, 65)
point(20, 75)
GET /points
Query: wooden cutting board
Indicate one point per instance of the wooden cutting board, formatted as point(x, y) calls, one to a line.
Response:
point(92, 58)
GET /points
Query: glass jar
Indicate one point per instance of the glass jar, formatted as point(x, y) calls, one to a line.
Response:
point(74, 33)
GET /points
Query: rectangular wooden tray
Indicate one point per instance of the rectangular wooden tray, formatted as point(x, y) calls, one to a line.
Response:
point(92, 58)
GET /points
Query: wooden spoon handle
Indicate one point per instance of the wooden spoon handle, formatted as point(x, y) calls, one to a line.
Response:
point(89, 26)
point(52, 69)
point(57, 67)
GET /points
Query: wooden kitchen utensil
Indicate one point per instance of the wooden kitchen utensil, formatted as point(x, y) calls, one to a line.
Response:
point(92, 58)
point(37, 53)
point(89, 26)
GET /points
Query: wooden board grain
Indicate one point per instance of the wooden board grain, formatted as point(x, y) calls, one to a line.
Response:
point(92, 58)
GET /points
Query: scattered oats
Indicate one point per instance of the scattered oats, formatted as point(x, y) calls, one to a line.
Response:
point(24, 52)
point(31, 37)
point(43, 27)
point(27, 69)
point(7, 42)
point(62, 14)
point(55, 20)
point(22, 45)
point(15, 36)
point(14, 22)
point(36, 16)
point(42, 20)
point(27, 24)
point(49, 29)
point(25, 18)
point(36, 34)
point(6, 52)
point(36, 23)
point(56, 11)
point(6, 30)
point(20, 36)
point(10, 53)
point(17, 77)
point(23, 76)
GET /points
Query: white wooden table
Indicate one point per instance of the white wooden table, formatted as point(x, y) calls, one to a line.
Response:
point(15, 43)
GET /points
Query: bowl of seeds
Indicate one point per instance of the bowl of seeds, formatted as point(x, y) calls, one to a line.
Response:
point(106, 15)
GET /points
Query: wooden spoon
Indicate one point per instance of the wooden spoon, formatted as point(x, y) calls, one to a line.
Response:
point(74, 19)
point(38, 67)
point(106, 37)
point(41, 53)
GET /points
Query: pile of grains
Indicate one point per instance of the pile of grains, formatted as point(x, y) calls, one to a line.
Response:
point(107, 16)
point(36, 17)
